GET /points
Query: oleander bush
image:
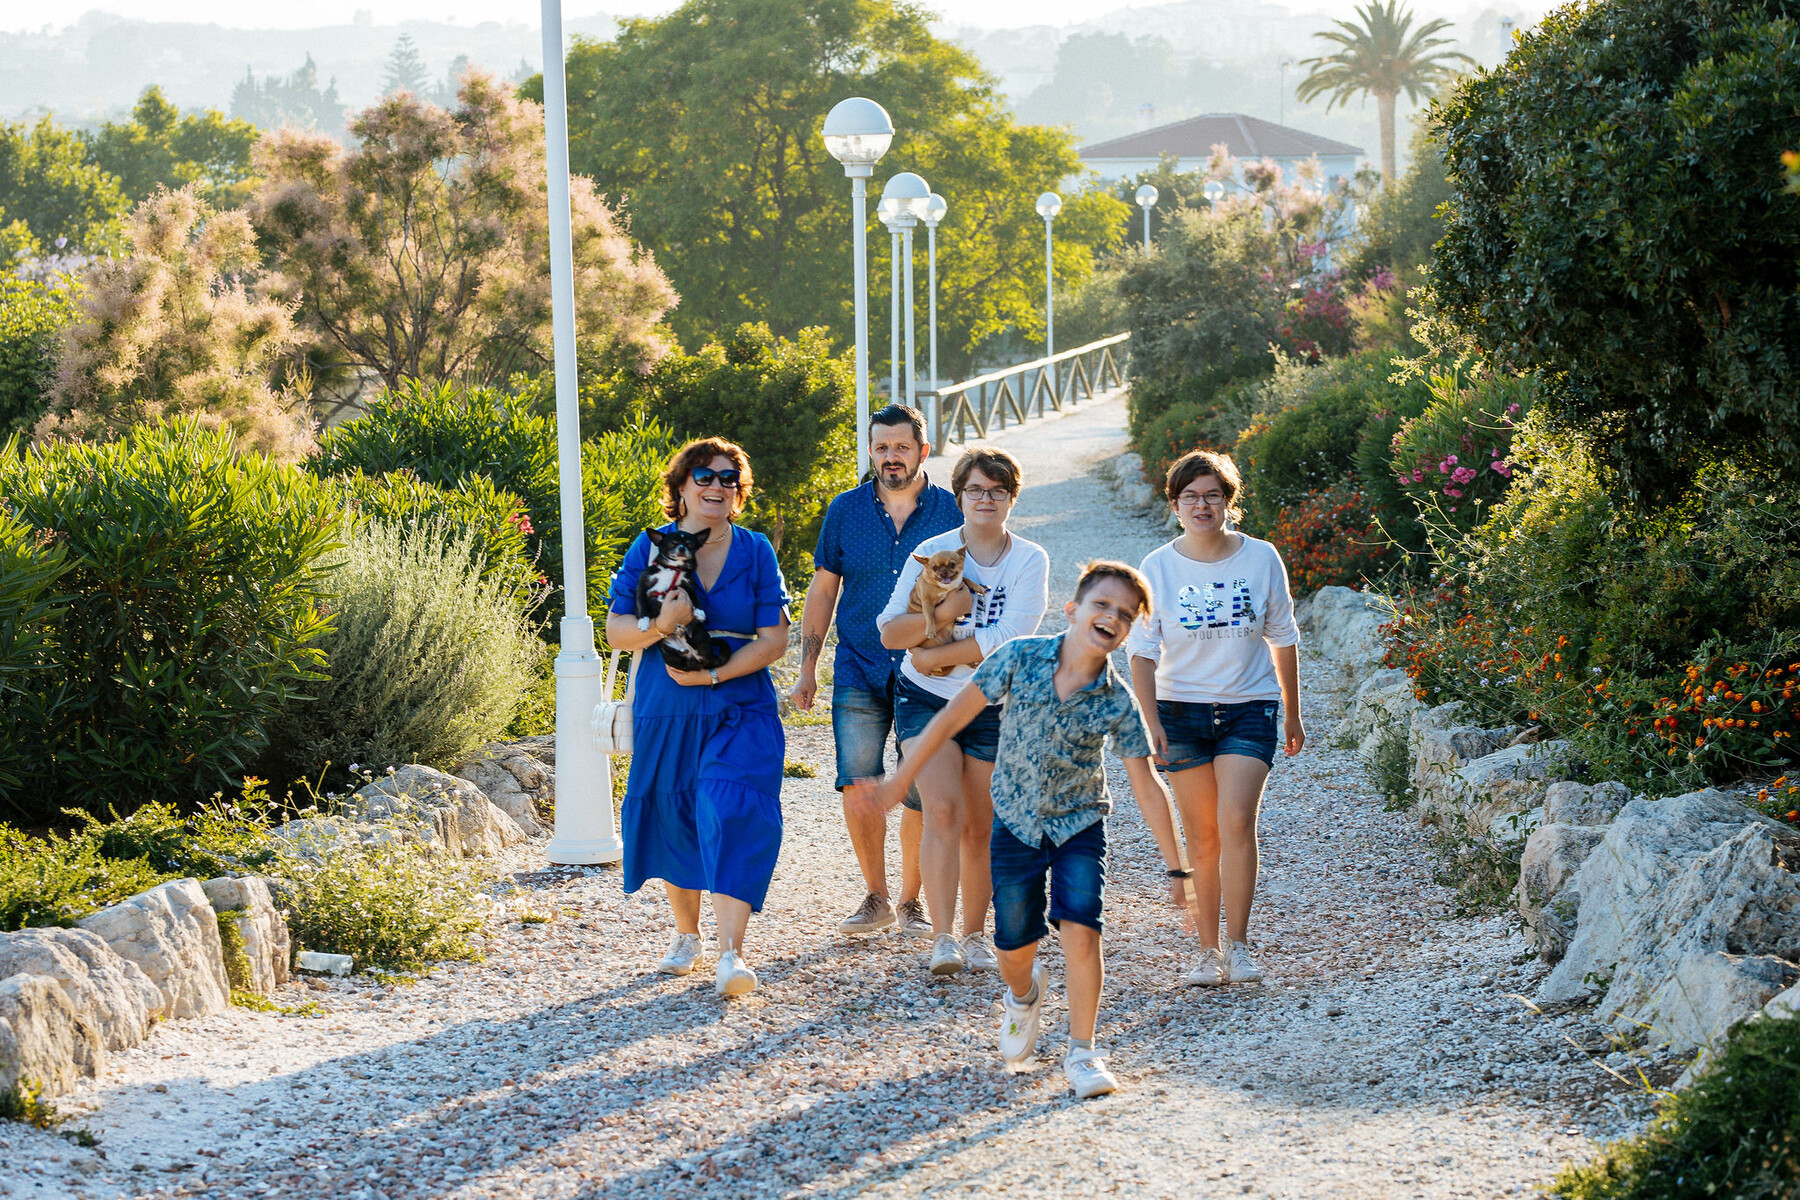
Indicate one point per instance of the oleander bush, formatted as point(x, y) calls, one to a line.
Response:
point(32, 315)
point(190, 611)
point(1734, 1131)
point(426, 660)
point(1453, 462)
point(31, 564)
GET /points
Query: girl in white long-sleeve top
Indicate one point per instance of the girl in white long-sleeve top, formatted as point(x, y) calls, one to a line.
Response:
point(1216, 671)
point(954, 785)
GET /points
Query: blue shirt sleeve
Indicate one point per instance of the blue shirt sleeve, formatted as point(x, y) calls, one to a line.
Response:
point(995, 674)
point(772, 597)
point(829, 553)
point(623, 596)
point(1129, 736)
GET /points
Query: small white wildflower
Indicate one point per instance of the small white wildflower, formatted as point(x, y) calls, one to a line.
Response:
point(355, 766)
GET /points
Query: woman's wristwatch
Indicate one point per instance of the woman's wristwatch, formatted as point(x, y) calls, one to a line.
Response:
point(714, 672)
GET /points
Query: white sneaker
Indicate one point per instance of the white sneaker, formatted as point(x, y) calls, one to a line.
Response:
point(734, 977)
point(1087, 1074)
point(1209, 969)
point(947, 957)
point(979, 950)
point(1019, 1022)
point(910, 915)
point(875, 913)
point(683, 956)
point(1243, 967)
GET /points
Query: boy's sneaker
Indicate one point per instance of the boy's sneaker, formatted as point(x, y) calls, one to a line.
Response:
point(683, 956)
point(1087, 1074)
point(980, 952)
point(875, 913)
point(947, 957)
point(1209, 969)
point(1243, 967)
point(1019, 1022)
point(910, 914)
point(734, 977)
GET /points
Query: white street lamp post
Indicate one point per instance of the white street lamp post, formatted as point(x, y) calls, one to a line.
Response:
point(934, 211)
point(890, 212)
point(857, 133)
point(1146, 198)
point(1214, 191)
point(584, 812)
point(904, 197)
point(1048, 205)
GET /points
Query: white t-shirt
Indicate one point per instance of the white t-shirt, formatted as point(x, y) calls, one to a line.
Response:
point(1212, 624)
point(1018, 591)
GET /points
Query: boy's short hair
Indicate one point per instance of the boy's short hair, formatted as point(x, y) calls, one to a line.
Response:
point(1198, 464)
point(1092, 573)
point(997, 465)
point(899, 414)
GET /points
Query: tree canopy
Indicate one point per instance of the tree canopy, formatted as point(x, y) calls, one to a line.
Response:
point(159, 147)
point(296, 100)
point(1621, 228)
point(704, 124)
point(48, 183)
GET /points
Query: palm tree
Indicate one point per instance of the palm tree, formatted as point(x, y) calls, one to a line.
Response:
point(1384, 56)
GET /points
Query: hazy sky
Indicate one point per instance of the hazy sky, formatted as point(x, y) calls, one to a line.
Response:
point(31, 14)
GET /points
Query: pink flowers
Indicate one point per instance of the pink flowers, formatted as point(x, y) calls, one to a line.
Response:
point(1503, 468)
point(1462, 475)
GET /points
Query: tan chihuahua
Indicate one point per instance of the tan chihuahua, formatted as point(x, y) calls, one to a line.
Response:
point(939, 575)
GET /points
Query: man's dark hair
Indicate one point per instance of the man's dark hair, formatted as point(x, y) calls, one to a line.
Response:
point(900, 414)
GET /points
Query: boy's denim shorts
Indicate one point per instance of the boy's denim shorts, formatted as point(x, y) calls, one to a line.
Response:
point(914, 707)
point(1199, 733)
point(860, 723)
point(1075, 871)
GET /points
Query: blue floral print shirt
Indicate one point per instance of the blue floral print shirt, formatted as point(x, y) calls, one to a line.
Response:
point(1048, 777)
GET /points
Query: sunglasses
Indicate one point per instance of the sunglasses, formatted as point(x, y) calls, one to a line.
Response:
point(705, 476)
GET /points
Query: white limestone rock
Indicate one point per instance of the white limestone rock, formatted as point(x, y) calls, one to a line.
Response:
point(1384, 701)
point(1678, 895)
point(170, 932)
point(457, 815)
point(1344, 625)
point(1571, 803)
point(1512, 780)
point(1442, 745)
point(44, 1041)
point(110, 993)
point(1553, 853)
point(517, 780)
point(247, 904)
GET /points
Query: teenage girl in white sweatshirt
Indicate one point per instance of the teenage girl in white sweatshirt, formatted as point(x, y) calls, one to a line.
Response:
point(1216, 672)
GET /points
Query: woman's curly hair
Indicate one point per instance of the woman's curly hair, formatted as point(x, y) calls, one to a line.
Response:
point(698, 453)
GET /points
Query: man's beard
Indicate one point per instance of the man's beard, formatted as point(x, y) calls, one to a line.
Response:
point(882, 474)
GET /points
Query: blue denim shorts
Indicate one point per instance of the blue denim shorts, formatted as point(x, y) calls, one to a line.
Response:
point(914, 707)
point(1199, 733)
point(860, 723)
point(1075, 871)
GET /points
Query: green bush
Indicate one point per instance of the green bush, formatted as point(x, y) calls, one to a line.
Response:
point(190, 614)
point(1454, 462)
point(493, 519)
point(1213, 424)
point(426, 659)
point(791, 404)
point(396, 906)
point(1735, 1131)
point(31, 563)
point(213, 839)
point(31, 315)
point(447, 435)
point(1621, 229)
point(57, 881)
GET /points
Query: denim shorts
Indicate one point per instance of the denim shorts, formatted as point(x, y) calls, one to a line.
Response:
point(914, 707)
point(1075, 871)
point(1199, 733)
point(860, 723)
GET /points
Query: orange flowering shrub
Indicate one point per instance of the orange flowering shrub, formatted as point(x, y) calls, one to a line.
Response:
point(1330, 537)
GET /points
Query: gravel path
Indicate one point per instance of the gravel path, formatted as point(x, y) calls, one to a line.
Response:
point(1383, 1057)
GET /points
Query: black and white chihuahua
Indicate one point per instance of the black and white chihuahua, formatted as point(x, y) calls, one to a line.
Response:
point(674, 569)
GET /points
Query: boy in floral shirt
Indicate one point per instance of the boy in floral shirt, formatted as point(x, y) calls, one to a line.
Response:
point(1063, 699)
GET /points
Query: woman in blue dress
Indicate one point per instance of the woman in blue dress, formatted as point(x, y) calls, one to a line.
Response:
point(702, 808)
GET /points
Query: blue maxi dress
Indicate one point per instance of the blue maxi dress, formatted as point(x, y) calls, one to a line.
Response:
point(702, 807)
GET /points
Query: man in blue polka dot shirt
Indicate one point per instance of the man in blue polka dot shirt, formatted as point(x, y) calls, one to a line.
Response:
point(869, 531)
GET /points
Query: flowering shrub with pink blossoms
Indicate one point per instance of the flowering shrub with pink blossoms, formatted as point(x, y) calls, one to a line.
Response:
point(1455, 460)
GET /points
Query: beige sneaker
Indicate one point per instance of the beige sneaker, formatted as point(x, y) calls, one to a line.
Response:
point(912, 919)
point(734, 978)
point(1209, 969)
point(1243, 967)
point(980, 952)
point(947, 957)
point(1087, 1074)
point(684, 955)
point(875, 913)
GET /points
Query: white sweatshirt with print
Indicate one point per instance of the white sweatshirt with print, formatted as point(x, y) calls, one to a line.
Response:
point(1213, 624)
point(1018, 592)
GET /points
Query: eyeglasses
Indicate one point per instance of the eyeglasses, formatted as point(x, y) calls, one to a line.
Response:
point(981, 493)
point(704, 476)
point(1210, 499)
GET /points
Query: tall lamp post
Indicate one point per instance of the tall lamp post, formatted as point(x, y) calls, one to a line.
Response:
point(857, 133)
point(890, 213)
point(1048, 205)
point(907, 194)
point(934, 210)
point(584, 812)
point(1146, 198)
point(1214, 191)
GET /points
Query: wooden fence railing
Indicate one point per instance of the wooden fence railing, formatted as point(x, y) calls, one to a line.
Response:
point(986, 404)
